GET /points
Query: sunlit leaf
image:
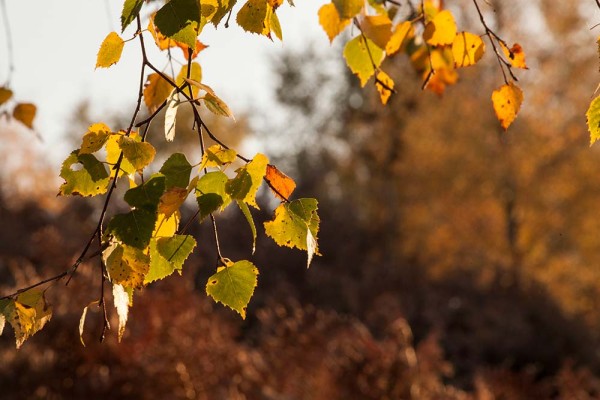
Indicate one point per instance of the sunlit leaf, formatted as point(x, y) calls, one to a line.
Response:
point(113, 153)
point(166, 226)
point(515, 55)
point(195, 74)
point(233, 285)
point(330, 20)
point(5, 94)
point(82, 320)
point(110, 51)
point(248, 179)
point(291, 224)
point(121, 300)
point(377, 28)
point(276, 26)
point(94, 139)
point(402, 33)
point(246, 211)
point(88, 178)
point(593, 120)
point(131, 8)
point(168, 255)
point(441, 30)
point(282, 185)
point(362, 57)
point(467, 49)
point(216, 105)
point(156, 91)
point(225, 6)
point(255, 17)
point(126, 265)
point(179, 20)
point(507, 101)
point(176, 170)
point(216, 156)
point(27, 314)
point(171, 200)
point(211, 194)
point(171, 116)
point(384, 85)
point(139, 154)
point(348, 8)
point(146, 196)
point(25, 113)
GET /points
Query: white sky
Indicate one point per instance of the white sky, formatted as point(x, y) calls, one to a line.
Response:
point(55, 43)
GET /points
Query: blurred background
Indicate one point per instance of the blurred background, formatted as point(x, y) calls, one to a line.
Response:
point(459, 261)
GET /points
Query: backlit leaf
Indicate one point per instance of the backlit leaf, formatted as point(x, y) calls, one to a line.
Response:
point(156, 91)
point(5, 94)
point(134, 228)
point(131, 8)
point(276, 26)
point(507, 101)
point(168, 255)
point(255, 17)
point(225, 6)
point(180, 21)
point(291, 224)
point(82, 320)
point(95, 138)
point(211, 194)
point(467, 49)
point(348, 8)
point(515, 55)
point(139, 154)
point(233, 285)
point(166, 226)
point(122, 303)
point(27, 314)
point(25, 113)
point(282, 185)
point(402, 33)
point(216, 105)
point(441, 30)
point(377, 28)
point(385, 86)
point(113, 152)
point(126, 265)
point(146, 196)
point(593, 120)
point(246, 211)
point(171, 116)
point(195, 74)
point(171, 200)
point(110, 50)
point(330, 20)
point(177, 171)
point(89, 179)
point(360, 60)
point(216, 156)
point(248, 179)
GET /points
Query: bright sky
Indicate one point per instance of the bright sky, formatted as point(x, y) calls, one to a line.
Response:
point(55, 44)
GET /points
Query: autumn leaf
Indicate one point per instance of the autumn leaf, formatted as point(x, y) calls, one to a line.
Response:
point(441, 30)
point(467, 49)
point(180, 21)
point(139, 154)
point(122, 304)
point(385, 86)
point(168, 255)
point(95, 138)
point(593, 120)
point(134, 228)
point(216, 156)
point(131, 9)
point(217, 106)
point(402, 33)
point(249, 178)
point(110, 50)
point(246, 211)
point(360, 55)
point(171, 115)
point(348, 9)
point(233, 285)
point(378, 28)
point(211, 193)
point(171, 200)
point(176, 170)
point(255, 17)
point(5, 94)
point(126, 265)
point(330, 21)
point(166, 227)
point(195, 74)
point(515, 55)
point(25, 113)
point(282, 185)
point(88, 179)
point(507, 101)
point(27, 314)
point(156, 91)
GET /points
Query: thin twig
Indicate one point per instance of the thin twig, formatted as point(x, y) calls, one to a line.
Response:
point(9, 43)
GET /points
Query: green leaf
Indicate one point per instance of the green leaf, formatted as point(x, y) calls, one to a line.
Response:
point(211, 193)
point(217, 106)
point(593, 120)
point(216, 156)
point(180, 21)
point(348, 8)
point(296, 224)
point(246, 211)
point(249, 178)
point(139, 154)
point(148, 195)
point(234, 285)
point(95, 138)
point(131, 8)
point(167, 255)
point(126, 265)
point(110, 50)
point(360, 59)
point(90, 179)
point(133, 228)
point(177, 171)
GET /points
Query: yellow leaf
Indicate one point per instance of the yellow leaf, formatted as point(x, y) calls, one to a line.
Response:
point(195, 74)
point(515, 55)
point(139, 154)
point(362, 57)
point(5, 94)
point(330, 20)
point(284, 185)
point(348, 9)
point(384, 85)
point(507, 101)
point(113, 151)
point(25, 113)
point(276, 26)
point(171, 200)
point(126, 265)
point(216, 105)
point(441, 30)
point(467, 49)
point(215, 156)
point(95, 138)
point(166, 226)
point(378, 28)
point(110, 50)
point(255, 17)
point(156, 91)
point(402, 33)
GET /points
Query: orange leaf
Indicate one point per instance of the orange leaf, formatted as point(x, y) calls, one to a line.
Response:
point(184, 48)
point(507, 100)
point(5, 94)
point(515, 55)
point(378, 28)
point(25, 113)
point(384, 85)
point(283, 184)
point(156, 91)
